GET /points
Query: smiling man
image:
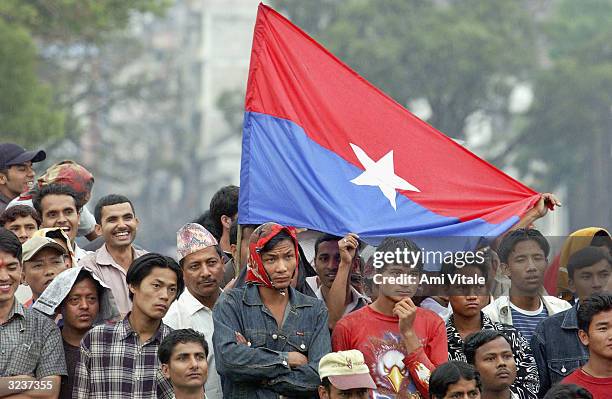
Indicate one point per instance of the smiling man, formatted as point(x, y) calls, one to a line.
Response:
point(117, 223)
point(60, 206)
point(182, 355)
point(154, 281)
point(30, 343)
point(490, 353)
point(16, 171)
point(43, 259)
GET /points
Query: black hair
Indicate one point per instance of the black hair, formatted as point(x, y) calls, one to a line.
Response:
point(475, 340)
point(206, 221)
point(10, 244)
point(602, 239)
point(324, 238)
point(326, 383)
point(281, 236)
point(586, 257)
point(357, 276)
point(449, 269)
point(19, 211)
point(592, 306)
point(224, 202)
point(142, 267)
point(568, 391)
point(56, 189)
point(391, 244)
point(233, 237)
point(182, 336)
point(450, 373)
point(108, 200)
point(507, 244)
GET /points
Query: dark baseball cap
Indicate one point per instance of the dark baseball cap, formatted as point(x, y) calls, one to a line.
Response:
point(12, 154)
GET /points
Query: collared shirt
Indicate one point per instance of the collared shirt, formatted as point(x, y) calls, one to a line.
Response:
point(526, 385)
point(499, 310)
point(30, 344)
point(188, 312)
point(102, 264)
point(115, 365)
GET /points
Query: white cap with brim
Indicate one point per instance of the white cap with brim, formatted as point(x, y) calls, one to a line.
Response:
point(346, 370)
point(36, 244)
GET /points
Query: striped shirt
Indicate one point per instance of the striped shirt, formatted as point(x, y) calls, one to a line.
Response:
point(526, 321)
point(114, 365)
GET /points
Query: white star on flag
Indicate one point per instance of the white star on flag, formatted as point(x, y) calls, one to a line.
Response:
point(380, 174)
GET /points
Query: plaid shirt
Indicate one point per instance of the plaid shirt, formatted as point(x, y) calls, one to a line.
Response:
point(113, 364)
point(30, 344)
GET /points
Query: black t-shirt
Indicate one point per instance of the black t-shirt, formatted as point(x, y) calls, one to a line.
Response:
point(72, 354)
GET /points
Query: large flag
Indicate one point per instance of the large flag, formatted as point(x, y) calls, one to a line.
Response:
point(325, 149)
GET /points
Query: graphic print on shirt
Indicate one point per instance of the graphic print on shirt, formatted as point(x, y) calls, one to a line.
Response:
point(389, 370)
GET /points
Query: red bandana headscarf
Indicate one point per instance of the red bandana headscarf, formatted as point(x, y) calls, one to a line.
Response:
point(256, 273)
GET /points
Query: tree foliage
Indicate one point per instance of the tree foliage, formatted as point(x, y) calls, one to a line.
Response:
point(27, 111)
point(461, 57)
point(570, 127)
point(35, 37)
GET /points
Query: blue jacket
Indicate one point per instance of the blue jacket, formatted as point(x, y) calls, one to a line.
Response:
point(261, 369)
point(557, 348)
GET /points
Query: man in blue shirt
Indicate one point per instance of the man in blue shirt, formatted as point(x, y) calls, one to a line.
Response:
point(555, 344)
point(268, 337)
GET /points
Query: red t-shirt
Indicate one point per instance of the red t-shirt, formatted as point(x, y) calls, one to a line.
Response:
point(598, 387)
point(397, 374)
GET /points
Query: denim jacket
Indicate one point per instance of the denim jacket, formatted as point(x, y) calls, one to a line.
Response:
point(260, 369)
point(557, 348)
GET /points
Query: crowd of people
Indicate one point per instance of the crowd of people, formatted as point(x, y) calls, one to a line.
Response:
point(240, 312)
